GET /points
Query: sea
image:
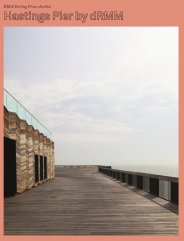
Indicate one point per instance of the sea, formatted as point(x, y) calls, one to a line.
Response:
point(171, 171)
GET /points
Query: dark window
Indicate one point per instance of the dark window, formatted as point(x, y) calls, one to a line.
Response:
point(45, 167)
point(41, 167)
point(36, 169)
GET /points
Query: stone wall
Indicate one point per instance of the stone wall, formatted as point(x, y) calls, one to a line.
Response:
point(29, 142)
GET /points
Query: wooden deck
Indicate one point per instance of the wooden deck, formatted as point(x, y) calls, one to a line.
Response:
point(81, 201)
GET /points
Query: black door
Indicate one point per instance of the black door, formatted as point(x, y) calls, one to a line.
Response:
point(36, 169)
point(45, 167)
point(10, 180)
point(41, 167)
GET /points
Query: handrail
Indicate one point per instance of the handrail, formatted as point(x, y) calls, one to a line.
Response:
point(158, 176)
point(165, 187)
point(14, 105)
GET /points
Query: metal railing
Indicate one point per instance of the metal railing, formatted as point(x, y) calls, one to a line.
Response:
point(161, 186)
point(13, 105)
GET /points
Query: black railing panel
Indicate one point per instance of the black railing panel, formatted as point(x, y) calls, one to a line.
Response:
point(154, 186)
point(174, 192)
point(130, 179)
point(140, 182)
point(123, 177)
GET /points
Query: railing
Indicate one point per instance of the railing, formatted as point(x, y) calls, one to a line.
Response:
point(13, 105)
point(161, 186)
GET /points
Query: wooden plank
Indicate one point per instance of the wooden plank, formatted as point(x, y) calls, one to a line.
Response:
point(81, 201)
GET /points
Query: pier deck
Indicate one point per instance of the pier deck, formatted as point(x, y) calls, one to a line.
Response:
point(81, 201)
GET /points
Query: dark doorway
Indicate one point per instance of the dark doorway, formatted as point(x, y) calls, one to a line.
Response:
point(41, 167)
point(36, 169)
point(10, 180)
point(45, 167)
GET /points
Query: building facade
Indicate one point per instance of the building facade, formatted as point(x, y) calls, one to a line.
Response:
point(28, 155)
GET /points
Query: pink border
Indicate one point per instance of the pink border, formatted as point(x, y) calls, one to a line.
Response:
point(136, 13)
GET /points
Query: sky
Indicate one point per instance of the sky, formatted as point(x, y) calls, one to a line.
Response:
point(109, 95)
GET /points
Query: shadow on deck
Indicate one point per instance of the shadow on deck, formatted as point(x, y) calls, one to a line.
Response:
point(81, 201)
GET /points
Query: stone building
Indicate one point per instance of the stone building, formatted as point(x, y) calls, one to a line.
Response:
point(28, 155)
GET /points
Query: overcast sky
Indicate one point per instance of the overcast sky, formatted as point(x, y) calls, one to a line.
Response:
point(109, 95)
